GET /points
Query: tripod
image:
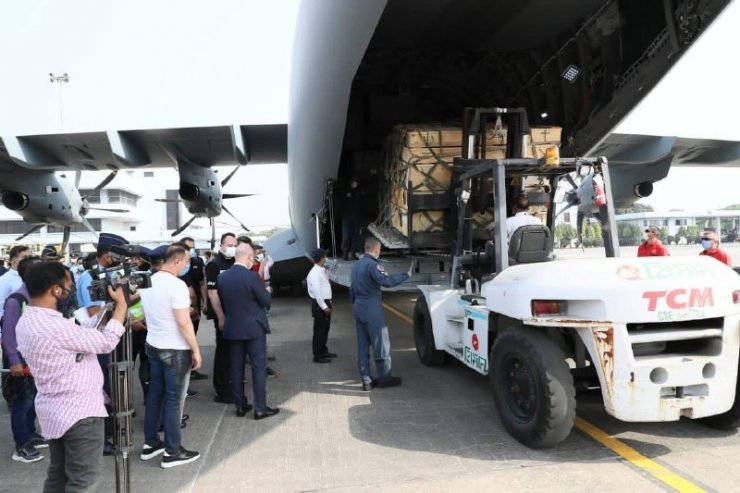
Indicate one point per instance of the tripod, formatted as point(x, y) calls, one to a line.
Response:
point(122, 399)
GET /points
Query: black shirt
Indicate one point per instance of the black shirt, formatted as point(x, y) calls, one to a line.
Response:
point(218, 264)
point(195, 276)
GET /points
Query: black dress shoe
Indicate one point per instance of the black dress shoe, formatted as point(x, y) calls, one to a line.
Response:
point(242, 411)
point(389, 382)
point(328, 355)
point(191, 393)
point(223, 399)
point(266, 412)
point(322, 359)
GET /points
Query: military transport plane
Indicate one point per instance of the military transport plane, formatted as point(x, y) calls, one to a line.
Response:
point(361, 67)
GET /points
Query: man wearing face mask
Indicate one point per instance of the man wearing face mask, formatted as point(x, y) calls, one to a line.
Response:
point(220, 262)
point(710, 244)
point(651, 245)
point(61, 357)
point(11, 281)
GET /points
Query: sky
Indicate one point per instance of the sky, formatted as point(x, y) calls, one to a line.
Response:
point(143, 64)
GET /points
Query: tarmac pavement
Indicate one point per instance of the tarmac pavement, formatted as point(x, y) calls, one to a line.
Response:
point(437, 432)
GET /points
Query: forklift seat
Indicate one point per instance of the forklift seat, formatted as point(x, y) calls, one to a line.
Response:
point(530, 243)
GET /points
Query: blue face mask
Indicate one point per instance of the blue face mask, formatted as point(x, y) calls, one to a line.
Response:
point(706, 244)
point(192, 253)
point(184, 270)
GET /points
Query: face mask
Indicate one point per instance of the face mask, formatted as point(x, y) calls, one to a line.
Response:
point(353, 184)
point(230, 252)
point(192, 253)
point(80, 268)
point(260, 257)
point(706, 244)
point(184, 270)
point(644, 236)
point(63, 300)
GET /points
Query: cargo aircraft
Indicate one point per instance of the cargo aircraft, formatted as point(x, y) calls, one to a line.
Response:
point(360, 68)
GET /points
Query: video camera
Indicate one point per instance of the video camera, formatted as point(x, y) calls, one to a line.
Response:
point(124, 274)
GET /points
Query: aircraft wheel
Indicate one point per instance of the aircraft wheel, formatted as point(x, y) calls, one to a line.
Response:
point(532, 387)
point(424, 335)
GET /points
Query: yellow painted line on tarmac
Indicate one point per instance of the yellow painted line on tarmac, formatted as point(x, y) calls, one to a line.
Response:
point(398, 313)
point(623, 450)
point(635, 458)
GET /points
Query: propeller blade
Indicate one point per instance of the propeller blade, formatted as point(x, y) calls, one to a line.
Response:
point(183, 227)
point(237, 195)
point(226, 180)
point(78, 177)
point(107, 210)
point(172, 201)
point(107, 180)
point(65, 241)
point(213, 234)
point(235, 218)
point(89, 227)
point(30, 231)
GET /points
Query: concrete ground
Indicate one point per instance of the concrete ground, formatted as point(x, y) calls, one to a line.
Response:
point(438, 432)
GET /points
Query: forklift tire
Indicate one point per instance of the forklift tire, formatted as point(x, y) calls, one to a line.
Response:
point(729, 420)
point(532, 387)
point(424, 335)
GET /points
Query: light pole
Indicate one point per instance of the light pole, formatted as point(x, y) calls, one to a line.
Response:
point(59, 79)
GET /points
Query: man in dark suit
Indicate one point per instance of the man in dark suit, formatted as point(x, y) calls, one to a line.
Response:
point(244, 299)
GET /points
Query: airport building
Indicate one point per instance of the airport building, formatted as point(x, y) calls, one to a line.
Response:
point(723, 221)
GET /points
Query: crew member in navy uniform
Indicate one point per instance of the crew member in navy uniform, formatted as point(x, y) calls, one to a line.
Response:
point(368, 277)
point(220, 262)
point(245, 298)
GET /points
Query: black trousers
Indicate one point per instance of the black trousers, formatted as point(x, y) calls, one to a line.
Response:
point(75, 458)
point(138, 345)
point(221, 364)
point(321, 322)
point(257, 350)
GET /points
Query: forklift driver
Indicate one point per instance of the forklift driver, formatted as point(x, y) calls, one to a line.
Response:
point(520, 215)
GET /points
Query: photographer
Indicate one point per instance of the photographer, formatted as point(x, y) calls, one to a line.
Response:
point(172, 351)
point(62, 358)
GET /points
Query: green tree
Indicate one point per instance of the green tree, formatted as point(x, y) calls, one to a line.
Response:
point(681, 233)
point(565, 234)
point(693, 233)
point(636, 207)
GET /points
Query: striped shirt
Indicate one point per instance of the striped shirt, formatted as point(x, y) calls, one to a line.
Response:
point(62, 358)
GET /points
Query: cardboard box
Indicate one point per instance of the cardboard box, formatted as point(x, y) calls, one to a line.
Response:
point(428, 135)
point(538, 150)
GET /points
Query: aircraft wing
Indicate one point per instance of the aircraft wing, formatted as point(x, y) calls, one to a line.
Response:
point(117, 149)
point(635, 148)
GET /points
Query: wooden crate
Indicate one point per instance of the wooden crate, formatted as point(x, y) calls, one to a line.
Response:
point(424, 221)
point(414, 136)
point(545, 135)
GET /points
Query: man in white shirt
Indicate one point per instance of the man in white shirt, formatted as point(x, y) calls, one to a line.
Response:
point(521, 216)
point(319, 290)
point(11, 281)
point(172, 351)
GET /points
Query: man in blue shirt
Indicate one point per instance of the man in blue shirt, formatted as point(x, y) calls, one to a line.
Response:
point(368, 277)
point(11, 281)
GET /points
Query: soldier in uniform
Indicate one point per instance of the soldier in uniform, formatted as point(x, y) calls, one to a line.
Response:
point(368, 277)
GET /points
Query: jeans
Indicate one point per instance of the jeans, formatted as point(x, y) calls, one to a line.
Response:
point(321, 323)
point(257, 350)
point(372, 331)
point(170, 376)
point(22, 410)
point(75, 458)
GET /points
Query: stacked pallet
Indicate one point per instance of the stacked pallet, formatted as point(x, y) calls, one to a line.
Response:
point(423, 155)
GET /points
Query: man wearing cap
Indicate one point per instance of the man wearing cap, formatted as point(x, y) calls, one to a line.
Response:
point(710, 244)
point(319, 290)
point(651, 245)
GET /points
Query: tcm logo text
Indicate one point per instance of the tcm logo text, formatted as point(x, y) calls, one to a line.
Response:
point(678, 299)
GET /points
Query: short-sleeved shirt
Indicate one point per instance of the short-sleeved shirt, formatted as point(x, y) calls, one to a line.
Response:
point(216, 266)
point(518, 220)
point(167, 293)
point(657, 249)
point(719, 254)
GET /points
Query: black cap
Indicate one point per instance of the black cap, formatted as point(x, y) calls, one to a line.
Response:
point(318, 254)
point(50, 251)
point(157, 254)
